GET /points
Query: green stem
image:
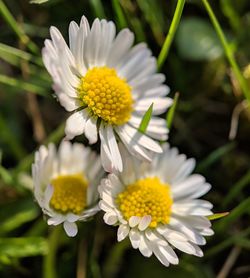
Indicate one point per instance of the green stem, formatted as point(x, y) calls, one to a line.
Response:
point(229, 54)
point(119, 14)
point(16, 28)
point(172, 30)
point(49, 263)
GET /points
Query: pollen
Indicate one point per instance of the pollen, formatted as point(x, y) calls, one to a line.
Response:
point(147, 196)
point(106, 95)
point(69, 194)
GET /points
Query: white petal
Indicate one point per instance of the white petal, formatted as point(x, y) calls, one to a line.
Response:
point(144, 247)
point(155, 237)
point(75, 124)
point(139, 138)
point(170, 234)
point(70, 228)
point(192, 187)
point(79, 52)
point(183, 246)
point(133, 65)
point(134, 236)
point(73, 30)
point(138, 151)
point(207, 232)
point(72, 217)
point(69, 103)
point(144, 222)
point(93, 44)
point(185, 169)
point(120, 47)
point(107, 36)
point(134, 221)
point(104, 206)
point(105, 151)
point(56, 220)
point(91, 130)
point(85, 25)
point(191, 233)
point(169, 254)
point(110, 218)
point(160, 105)
point(161, 256)
point(114, 151)
point(147, 83)
point(122, 232)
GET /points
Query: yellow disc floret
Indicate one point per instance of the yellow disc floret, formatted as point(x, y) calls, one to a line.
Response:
point(147, 196)
point(106, 95)
point(69, 193)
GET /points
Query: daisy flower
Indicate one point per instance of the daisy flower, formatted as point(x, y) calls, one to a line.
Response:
point(108, 85)
point(65, 184)
point(156, 205)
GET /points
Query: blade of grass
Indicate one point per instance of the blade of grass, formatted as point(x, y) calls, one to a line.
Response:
point(228, 51)
point(10, 139)
point(98, 8)
point(215, 156)
point(16, 28)
point(226, 243)
point(171, 33)
point(38, 1)
point(236, 189)
point(49, 263)
point(5, 176)
point(54, 137)
point(235, 214)
point(120, 17)
point(153, 13)
point(146, 119)
point(13, 55)
point(22, 85)
point(129, 8)
point(171, 112)
point(217, 215)
point(19, 247)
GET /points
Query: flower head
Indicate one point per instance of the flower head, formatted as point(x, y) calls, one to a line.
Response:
point(156, 205)
point(65, 184)
point(108, 85)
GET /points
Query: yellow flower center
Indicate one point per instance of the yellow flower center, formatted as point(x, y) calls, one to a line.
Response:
point(146, 197)
point(69, 193)
point(106, 95)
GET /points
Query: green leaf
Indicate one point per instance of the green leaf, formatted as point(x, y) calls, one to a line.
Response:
point(20, 212)
point(227, 242)
point(22, 85)
point(235, 214)
point(146, 118)
point(171, 112)
point(8, 137)
point(217, 215)
point(98, 8)
point(235, 190)
point(38, 1)
point(215, 156)
point(23, 247)
point(14, 55)
point(121, 20)
point(154, 14)
point(197, 40)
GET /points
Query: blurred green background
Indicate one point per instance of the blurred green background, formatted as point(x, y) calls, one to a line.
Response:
point(210, 97)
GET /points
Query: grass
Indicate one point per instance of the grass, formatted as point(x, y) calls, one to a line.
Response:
point(208, 86)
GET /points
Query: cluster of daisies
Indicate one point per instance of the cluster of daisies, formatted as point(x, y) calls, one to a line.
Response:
point(149, 192)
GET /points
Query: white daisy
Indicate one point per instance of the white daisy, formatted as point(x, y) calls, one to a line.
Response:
point(65, 184)
point(156, 205)
point(108, 85)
